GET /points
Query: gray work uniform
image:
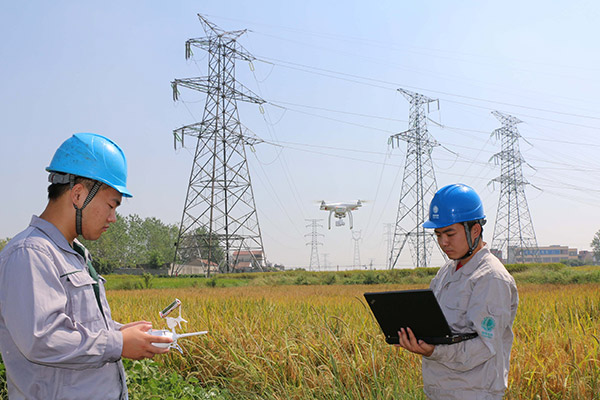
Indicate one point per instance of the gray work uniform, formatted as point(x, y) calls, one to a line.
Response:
point(480, 297)
point(55, 341)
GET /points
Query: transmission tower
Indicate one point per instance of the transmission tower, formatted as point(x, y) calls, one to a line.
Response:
point(314, 243)
point(418, 184)
point(514, 235)
point(356, 236)
point(219, 222)
point(387, 233)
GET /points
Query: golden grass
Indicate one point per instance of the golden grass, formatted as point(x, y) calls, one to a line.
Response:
point(321, 342)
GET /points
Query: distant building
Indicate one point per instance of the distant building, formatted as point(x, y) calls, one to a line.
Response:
point(586, 256)
point(194, 267)
point(497, 253)
point(248, 261)
point(544, 254)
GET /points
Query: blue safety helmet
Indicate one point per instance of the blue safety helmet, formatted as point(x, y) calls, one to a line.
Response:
point(457, 203)
point(94, 157)
point(454, 203)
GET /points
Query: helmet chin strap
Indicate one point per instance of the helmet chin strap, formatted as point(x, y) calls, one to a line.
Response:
point(89, 198)
point(472, 246)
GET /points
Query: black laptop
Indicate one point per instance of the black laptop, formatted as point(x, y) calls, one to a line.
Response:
point(414, 309)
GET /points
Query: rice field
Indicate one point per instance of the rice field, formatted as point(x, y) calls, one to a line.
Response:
point(321, 342)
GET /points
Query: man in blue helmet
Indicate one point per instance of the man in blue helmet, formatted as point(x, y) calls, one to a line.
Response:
point(57, 336)
point(477, 294)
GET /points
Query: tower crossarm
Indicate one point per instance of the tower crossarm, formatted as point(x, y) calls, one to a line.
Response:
point(511, 181)
point(426, 142)
point(506, 131)
point(506, 119)
point(212, 30)
point(206, 85)
point(416, 98)
point(226, 44)
point(508, 155)
point(198, 130)
point(218, 40)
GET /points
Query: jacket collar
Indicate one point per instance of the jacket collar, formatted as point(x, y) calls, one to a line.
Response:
point(470, 267)
point(52, 232)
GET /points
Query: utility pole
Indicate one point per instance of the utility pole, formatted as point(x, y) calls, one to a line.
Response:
point(514, 235)
point(325, 261)
point(219, 221)
point(356, 237)
point(418, 184)
point(314, 243)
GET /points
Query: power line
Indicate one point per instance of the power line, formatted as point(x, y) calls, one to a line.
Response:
point(390, 85)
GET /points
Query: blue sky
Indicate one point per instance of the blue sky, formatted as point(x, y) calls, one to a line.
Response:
point(329, 72)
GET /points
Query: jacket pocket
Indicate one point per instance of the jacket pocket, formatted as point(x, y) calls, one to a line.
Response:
point(82, 305)
point(456, 314)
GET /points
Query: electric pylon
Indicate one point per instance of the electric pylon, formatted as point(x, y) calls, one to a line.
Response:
point(314, 243)
point(219, 222)
point(418, 184)
point(514, 235)
point(356, 237)
point(387, 233)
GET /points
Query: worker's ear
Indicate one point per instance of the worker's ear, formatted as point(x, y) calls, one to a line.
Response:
point(78, 193)
point(476, 231)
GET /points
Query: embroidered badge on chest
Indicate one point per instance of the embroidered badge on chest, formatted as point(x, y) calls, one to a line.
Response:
point(488, 324)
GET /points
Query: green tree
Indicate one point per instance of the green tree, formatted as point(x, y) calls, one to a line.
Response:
point(159, 241)
point(4, 242)
point(111, 250)
point(596, 246)
point(138, 246)
point(200, 241)
point(210, 247)
point(133, 241)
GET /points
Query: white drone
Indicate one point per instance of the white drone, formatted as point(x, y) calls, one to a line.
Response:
point(340, 210)
point(172, 323)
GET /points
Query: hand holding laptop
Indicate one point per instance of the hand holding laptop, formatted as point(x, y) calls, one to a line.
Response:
point(409, 342)
point(417, 309)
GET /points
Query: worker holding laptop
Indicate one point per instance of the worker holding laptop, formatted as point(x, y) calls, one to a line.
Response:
point(476, 294)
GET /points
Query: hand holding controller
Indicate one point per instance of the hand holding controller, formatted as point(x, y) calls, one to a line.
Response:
point(172, 336)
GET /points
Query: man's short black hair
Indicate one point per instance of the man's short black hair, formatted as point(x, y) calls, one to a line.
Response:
point(471, 224)
point(56, 190)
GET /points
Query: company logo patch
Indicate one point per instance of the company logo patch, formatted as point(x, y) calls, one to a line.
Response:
point(488, 324)
point(435, 211)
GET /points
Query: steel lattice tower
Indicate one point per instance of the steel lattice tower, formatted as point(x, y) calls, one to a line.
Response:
point(356, 237)
point(219, 221)
point(387, 234)
point(418, 185)
point(314, 243)
point(513, 232)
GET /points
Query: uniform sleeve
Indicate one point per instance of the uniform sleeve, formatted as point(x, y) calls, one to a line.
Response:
point(33, 301)
point(489, 310)
point(116, 325)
